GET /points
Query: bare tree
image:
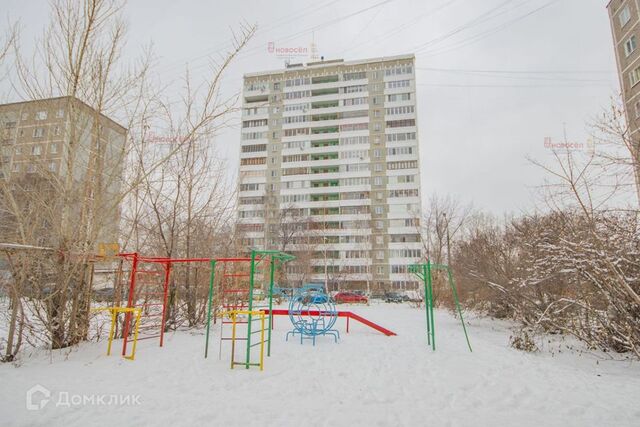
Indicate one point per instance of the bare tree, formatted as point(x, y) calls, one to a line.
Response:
point(79, 59)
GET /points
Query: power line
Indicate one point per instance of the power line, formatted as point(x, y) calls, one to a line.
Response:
point(246, 53)
point(517, 76)
point(513, 86)
point(488, 15)
point(279, 22)
point(477, 37)
point(402, 27)
point(518, 71)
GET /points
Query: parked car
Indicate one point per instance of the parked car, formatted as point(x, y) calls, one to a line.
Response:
point(344, 297)
point(378, 296)
point(393, 297)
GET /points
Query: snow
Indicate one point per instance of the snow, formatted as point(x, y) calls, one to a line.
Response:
point(365, 379)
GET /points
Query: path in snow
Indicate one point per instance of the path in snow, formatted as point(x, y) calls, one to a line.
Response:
point(366, 379)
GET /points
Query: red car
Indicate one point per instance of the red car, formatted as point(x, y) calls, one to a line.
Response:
point(342, 297)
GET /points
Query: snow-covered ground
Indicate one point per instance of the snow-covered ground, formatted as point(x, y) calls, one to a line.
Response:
point(365, 379)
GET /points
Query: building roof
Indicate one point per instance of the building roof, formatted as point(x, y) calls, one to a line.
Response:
point(61, 98)
point(329, 63)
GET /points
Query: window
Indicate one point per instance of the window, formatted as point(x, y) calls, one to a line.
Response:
point(36, 150)
point(630, 45)
point(377, 181)
point(377, 153)
point(377, 167)
point(376, 127)
point(53, 148)
point(379, 225)
point(399, 97)
point(31, 168)
point(253, 161)
point(276, 86)
point(403, 69)
point(396, 84)
point(354, 76)
point(38, 132)
point(379, 254)
point(401, 123)
point(254, 148)
point(18, 150)
point(56, 130)
point(41, 115)
point(16, 167)
point(408, 109)
point(379, 210)
point(60, 113)
point(634, 76)
point(379, 240)
point(25, 116)
point(254, 123)
point(625, 16)
point(52, 166)
point(380, 269)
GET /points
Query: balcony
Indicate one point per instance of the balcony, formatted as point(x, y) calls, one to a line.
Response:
point(324, 129)
point(325, 211)
point(325, 104)
point(325, 183)
point(325, 169)
point(325, 197)
point(326, 91)
point(324, 79)
point(325, 143)
point(324, 156)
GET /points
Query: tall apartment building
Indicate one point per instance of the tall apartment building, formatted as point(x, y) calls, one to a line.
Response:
point(333, 145)
point(624, 16)
point(39, 137)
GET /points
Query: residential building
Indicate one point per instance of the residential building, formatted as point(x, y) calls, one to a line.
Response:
point(333, 145)
point(41, 140)
point(624, 16)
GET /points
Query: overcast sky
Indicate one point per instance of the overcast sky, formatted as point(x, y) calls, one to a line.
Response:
point(495, 77)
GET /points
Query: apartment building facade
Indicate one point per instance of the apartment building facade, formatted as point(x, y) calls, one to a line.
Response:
point(333, 146)
point(41, 139)
point(624, 17)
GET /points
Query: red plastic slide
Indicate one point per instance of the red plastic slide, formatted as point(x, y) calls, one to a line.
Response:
point(347, 314)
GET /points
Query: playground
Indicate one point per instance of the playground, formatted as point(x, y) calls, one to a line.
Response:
point(367, 378)
point(302, 359)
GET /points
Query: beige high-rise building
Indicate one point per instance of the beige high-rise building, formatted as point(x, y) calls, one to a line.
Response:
point(624, 16)
point(40, 139)
point(329, 170)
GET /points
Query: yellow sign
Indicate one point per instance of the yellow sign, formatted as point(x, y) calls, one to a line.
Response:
point(108, 249)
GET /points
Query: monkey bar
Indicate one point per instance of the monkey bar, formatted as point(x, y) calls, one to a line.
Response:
point(149, 295)
point(250, 307)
